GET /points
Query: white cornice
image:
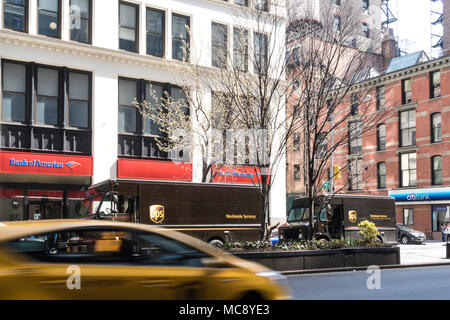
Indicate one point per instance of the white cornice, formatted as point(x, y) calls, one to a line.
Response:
point(84, 50)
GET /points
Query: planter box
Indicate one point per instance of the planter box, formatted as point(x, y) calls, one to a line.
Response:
point(324, 259)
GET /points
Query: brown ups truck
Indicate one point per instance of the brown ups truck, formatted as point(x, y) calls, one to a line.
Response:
point(211, 212)
point(338, 217)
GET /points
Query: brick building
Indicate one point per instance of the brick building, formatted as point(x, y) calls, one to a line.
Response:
point(408, 155)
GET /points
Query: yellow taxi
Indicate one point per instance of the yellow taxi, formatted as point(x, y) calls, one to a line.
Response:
point(94, 259)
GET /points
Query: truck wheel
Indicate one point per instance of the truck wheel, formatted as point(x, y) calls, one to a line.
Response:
point(216, 243)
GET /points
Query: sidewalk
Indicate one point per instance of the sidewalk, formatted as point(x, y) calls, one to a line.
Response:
point(429, 252)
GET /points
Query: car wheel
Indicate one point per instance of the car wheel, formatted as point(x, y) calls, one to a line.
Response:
point(252, 296)
point(405, 240)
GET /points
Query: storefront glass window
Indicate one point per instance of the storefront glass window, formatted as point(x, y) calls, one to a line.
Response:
point(78, 205)
point(45, 204)
point(441, 214)
point(11, 205)
point(408, 218)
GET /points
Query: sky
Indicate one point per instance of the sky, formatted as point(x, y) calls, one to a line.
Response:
point(413, 27)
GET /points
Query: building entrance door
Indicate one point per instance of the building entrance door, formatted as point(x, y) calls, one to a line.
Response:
point(45, 205)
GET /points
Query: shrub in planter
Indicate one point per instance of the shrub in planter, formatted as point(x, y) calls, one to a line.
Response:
point(368, 232)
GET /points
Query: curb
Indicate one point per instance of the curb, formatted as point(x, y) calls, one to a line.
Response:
point(347, 269)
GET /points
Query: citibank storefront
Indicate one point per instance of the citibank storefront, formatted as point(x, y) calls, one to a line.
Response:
point(36, 186)
point(423, 209)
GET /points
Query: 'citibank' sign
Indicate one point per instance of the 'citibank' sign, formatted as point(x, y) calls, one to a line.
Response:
point(422, 196)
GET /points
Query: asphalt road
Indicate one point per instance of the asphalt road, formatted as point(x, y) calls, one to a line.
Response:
point(423, 283)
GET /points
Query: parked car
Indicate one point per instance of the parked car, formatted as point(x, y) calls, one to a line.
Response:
point(407, 235)
point(94, 259)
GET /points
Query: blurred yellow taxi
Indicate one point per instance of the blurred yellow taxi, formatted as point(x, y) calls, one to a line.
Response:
point(94, 259)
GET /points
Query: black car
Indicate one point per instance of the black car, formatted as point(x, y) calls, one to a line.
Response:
point(406, 235)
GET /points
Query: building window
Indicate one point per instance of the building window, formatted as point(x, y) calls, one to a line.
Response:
point(241, 2)
point(381, 98)
point(127, 110)
point(219, 41)
point(15, 14)
point(381, 137)
point(408, 128)
point(365, 6)
point(297, 171)
point(435, 84)
point(80, 24)
point(261, 5)
point(49, 18)
point(240, 49)
point(322, 145)
point(354, 104)
point(381, 175)
point(180, 37)
point(436, 135)
point(296, 142)
point(47, 96)
point(128, 27)
point(14, 79)
point(408, 171)
point(155, 32)
point(436, 172)
point(336, 23)
point(406, 91)
point(366, 30)
point(79, 93)
point(260, 49)
point(355, 137)
point(441, 215)
point(355, 174)
point(155, 99)
point(408, 218)
point(139, 136)
point(45, 108)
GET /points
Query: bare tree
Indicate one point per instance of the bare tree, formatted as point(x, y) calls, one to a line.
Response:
point(237, 114)
point(334, 104)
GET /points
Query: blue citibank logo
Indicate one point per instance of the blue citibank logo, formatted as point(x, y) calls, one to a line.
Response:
point(421, 196)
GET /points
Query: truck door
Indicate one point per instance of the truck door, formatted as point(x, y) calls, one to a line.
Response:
point(336, 224)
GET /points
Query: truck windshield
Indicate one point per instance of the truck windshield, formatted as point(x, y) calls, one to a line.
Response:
point(302, 214)
point(298, 214)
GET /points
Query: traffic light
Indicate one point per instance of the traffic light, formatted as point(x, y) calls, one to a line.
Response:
point(336, 172)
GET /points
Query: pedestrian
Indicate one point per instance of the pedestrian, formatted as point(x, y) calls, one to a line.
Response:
point(447, 230)
point(443, 229)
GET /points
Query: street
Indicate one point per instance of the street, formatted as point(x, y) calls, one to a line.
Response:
point(422, 283)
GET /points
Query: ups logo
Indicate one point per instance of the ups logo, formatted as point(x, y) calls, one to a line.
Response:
point(352, 216)
point(157, 213)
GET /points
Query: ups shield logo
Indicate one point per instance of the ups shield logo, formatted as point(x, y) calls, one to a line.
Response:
point(352, 216)
point(157, 213)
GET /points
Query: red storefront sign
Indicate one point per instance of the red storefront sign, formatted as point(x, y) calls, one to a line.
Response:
point(244, 175)
point(45, 164)
point(153, 170)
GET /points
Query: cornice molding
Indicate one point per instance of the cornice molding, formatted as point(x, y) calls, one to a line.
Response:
point(79, 49)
